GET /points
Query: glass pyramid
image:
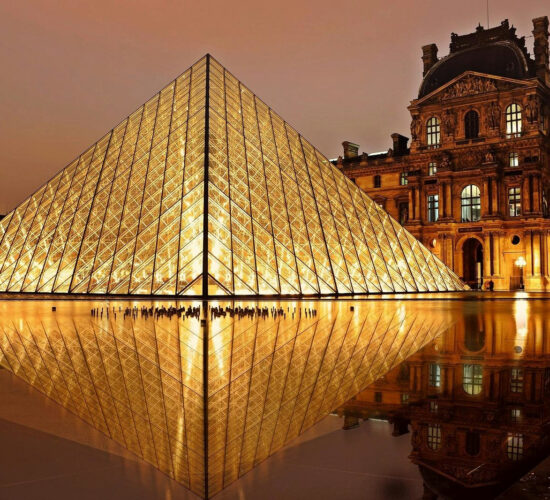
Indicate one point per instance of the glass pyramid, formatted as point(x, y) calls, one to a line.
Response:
point(206, 401)
point(205, 191)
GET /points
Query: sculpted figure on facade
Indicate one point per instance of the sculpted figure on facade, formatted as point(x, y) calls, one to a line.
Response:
point(416, 127)
point(489, 157)
point(449, 122)
point(492, 115)
point(532, 110)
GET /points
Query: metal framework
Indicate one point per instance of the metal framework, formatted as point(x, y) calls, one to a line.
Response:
point(205, 191)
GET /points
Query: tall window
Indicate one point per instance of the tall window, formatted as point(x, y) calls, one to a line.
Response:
point(434, 436)
point(514, 446)
point(377, 181)
point(433, 132)
point(403, 178)
point(433, 207)
point(513, 120)
point(470, 201)
point(472, 443)
point(513, 159)
point(472, 379)
point(516, 380)
point(432, 168)
point(403, 212)
point(514, 201)
point(471, 124)
point(515, 415)
point(434, 375)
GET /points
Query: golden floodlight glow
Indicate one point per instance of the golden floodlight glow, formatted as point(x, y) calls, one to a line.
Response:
point(206, 191)
point(205, 402)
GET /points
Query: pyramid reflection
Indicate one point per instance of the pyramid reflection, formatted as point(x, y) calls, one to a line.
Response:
point(145, 381)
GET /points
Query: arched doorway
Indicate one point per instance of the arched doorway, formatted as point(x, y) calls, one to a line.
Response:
point(472, 264)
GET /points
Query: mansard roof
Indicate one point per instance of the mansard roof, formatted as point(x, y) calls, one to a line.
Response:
point(496, 51)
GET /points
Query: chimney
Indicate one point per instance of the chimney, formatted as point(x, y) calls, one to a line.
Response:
point(399, 144)
point(350, 149)
point(540, 33)
point(429, 56)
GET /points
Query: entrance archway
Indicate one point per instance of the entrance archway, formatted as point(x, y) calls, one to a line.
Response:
point(472, 263)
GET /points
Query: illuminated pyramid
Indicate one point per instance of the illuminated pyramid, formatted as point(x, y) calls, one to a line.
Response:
point(205, 191)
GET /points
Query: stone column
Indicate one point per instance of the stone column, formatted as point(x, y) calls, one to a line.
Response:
point(496, 253)
point(495, 196)
point(536, 194)
point(536, 253)
point(449, 203)
point(443, 200)
point(417, 208)
point(412, 215)
point(528, 253)
point(525, 198)
point(486, 256)
point(485, 198)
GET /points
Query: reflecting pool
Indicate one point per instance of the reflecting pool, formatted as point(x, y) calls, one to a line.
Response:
point(206, 391)
point(206, 395)
point(475, 400)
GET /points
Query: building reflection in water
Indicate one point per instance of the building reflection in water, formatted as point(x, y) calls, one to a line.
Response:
point(205, 399)
point(476, 400)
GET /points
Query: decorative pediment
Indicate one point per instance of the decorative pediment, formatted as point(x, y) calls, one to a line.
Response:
point(471, 83)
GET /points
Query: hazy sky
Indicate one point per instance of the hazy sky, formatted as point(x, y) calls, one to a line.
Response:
point(335, 70)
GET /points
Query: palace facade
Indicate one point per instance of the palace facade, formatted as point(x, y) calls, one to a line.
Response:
point(473, 184)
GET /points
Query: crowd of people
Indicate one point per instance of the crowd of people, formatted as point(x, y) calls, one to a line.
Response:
point(195, 312)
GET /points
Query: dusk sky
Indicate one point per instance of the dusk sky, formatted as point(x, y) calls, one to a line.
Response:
point(335, 70)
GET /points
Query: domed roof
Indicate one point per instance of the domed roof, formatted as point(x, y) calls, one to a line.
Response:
point(496, 51)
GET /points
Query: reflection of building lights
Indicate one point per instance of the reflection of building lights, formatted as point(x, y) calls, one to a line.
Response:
point(521, 310)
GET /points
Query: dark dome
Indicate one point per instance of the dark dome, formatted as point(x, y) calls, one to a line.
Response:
point(500, 59)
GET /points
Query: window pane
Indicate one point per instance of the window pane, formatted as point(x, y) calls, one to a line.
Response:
point(434, 436)
point(513, 120)
point(472, 379)
point(470, 200)
point(514, 201)
point(433, 134)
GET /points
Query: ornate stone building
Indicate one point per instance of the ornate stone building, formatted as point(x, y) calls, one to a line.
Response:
point(474, 183)
point(476, 402)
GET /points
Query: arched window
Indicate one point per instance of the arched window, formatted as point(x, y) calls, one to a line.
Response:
point(472, 379)
point(434, 375)
point(472, 443)
point(513, 120)
point(470, 201)
point(433, 132)
point(471, 124)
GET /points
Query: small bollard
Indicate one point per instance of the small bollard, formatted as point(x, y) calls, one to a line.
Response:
point(352, 308)
point(54, 309)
